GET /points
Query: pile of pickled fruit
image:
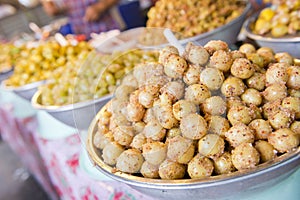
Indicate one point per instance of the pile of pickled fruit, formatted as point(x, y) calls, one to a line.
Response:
point(207, 112)
point(37, 63)
point(91, 77)
point(280, 19)
point(193, 17)
point(8, 56)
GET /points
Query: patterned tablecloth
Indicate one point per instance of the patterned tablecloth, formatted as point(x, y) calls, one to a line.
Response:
point(51, 151)
point(54, 154)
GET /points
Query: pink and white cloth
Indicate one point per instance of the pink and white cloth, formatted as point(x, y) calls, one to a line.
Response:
point(55, 162)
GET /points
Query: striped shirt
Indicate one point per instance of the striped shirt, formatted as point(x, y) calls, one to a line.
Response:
point(76, 11)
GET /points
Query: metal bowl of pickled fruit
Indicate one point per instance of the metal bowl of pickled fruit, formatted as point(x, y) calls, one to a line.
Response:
point(286, 43)
point(228, 32)
point(235, 185)
point(153, 36)
point(26, 91)
point(78, 115)
point(201, 124)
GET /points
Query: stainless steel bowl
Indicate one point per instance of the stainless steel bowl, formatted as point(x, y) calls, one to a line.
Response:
point(5, 74)
point(228, 33)
point(285, 44)
point(133, 38)
point(236, 185)
point(78, 115)
point(26, 91)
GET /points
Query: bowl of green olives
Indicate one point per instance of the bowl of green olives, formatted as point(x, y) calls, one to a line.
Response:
point(267, 33)
point(76, 93)
point(210, 123)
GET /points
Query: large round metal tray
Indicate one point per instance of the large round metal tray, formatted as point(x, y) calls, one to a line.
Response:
point(231, 186)
point(284, 44)
point(26, 91)
point(78, 115)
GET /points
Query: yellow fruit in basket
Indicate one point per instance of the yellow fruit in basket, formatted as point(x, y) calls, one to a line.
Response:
point(279, 30)
point(262, 26)
point(267, 14)
point(282, 16)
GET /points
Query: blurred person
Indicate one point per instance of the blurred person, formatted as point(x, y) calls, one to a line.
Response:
point(84, 16)
point(6, 10)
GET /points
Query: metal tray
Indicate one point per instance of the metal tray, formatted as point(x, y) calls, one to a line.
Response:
point(235, 185)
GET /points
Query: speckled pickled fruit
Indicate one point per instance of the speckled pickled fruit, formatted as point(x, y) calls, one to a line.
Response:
point(237, 114)
point(221, 60)
point(214, 105)
point(183, 17)
point(293, 81)
point(261, 127)
point(283, 140)
point(223, 164)
point(242, 68)
point(252, 96)
point(275, 91)
point(197, 93)
point(212, 77)
point(293, 104)
point(155, 152)
point(284, 57)
point(196, 124)
point(170, 170)
point(247, 48)
point(245, 156)
point(200, 167)
point(193, 126)
point(211, 145)
point(257, 81)
point(238, 134)
point(277, 73)
point(233, 86)
point(266, 150)
point(180, 149)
